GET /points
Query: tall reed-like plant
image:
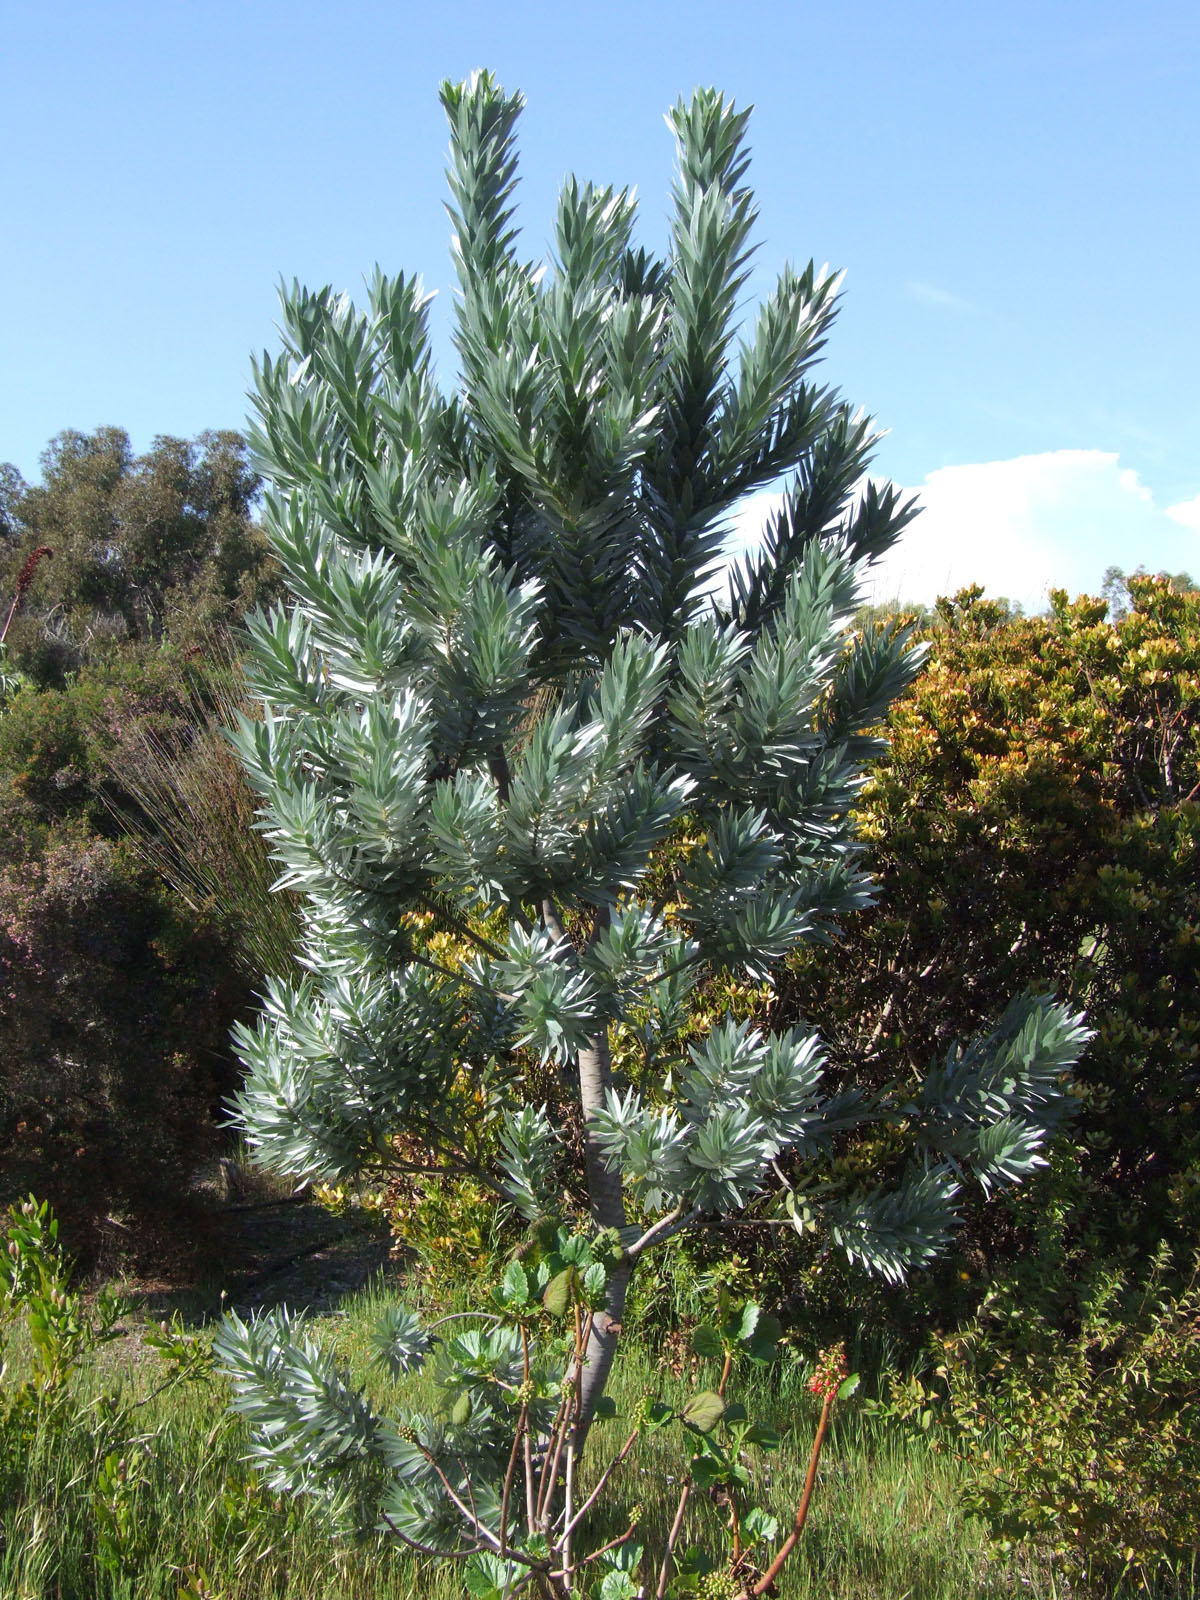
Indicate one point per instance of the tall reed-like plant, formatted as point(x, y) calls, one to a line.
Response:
point(183, 796)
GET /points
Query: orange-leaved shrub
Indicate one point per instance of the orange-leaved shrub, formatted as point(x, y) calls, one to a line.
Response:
point(1035, 822)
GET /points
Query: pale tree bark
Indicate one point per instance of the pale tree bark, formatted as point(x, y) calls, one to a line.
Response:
point(606, 1201)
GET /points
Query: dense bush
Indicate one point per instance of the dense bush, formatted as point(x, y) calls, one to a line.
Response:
point(1086, 1448)
point(118, 982)
point(117, 993)
point(64, 751)
point(1035, 821)
point(116, 1011)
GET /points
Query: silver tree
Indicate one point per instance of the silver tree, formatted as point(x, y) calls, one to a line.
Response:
point(510, 673)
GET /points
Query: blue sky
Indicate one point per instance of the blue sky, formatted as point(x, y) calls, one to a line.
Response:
point(1010, 187)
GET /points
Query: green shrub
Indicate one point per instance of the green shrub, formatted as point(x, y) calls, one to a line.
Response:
point(65, 752)
point(43, 759)
point(60, 1329)
point(1088, 1446)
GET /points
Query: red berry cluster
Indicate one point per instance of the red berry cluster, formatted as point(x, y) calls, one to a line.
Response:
point(25, 577)
point(830, 1372)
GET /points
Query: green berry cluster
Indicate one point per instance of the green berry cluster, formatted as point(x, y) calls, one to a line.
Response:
point(720, 1585)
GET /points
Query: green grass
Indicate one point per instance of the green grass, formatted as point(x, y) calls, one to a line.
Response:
point(885, 1522)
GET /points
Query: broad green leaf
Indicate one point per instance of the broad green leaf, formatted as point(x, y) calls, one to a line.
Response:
point(618, 1586)
point(656, 1414)
point(708, 1471)
point(706, 1341)
point(516, 1284)
point(558, 1293)
point(757, 1524)
point(696, 1559)
point(763, 1345)
point(545, 1233)
point(488, 1577)
point(748, 1322)
point(704, 1411)
point(479, 1584)
point(623, 1558)
point(848, 1385)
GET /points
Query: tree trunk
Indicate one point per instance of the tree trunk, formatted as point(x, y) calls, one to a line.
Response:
point(607, 1200)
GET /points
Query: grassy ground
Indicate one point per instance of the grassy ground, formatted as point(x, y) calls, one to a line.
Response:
point(122, 1492)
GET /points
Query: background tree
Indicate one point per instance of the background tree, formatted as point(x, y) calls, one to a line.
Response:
point(142, 545)
point(12, 488)
point(1114, 586)
point(121, 577)
point(506, 681)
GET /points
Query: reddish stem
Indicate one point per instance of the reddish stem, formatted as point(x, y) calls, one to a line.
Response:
point(789, 1544)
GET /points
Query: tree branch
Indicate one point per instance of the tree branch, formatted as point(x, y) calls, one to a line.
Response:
point(665, 1228)
point(604, 1477)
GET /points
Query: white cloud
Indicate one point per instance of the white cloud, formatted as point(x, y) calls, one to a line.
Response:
point(1022, 527)
point(1186, 513)
point(1025, 526)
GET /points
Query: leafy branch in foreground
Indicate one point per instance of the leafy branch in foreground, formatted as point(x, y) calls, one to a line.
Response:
point(509, 676)
point(492, 1475)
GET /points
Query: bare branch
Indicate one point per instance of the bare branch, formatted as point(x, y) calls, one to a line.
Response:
point(428, 1549)
point(604, 1477)
point(665, 1228)
point(789, 1544)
